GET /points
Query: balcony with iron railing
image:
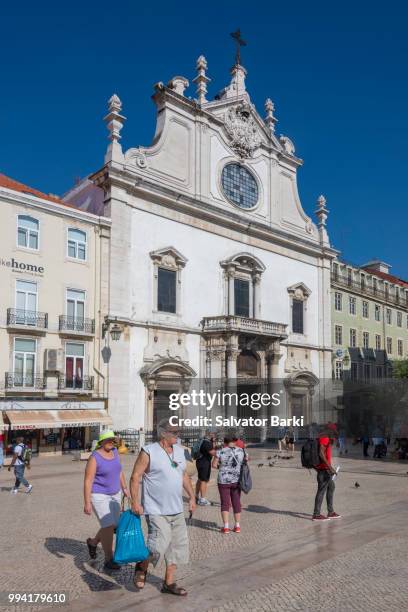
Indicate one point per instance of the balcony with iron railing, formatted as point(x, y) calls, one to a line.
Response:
point(76, 383)
point(243, 325)
point(18, 318)
point(391, 297)
point(76, 326)
point(24, 382)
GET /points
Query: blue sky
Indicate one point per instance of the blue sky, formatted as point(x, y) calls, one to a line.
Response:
point(337, 73)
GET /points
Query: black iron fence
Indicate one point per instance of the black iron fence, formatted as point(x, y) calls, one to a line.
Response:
point(20, 381)
point(75, 382)
point(30, 318)
point(86, 326)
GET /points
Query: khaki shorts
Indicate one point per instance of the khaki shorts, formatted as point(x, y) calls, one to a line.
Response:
point(167, 538)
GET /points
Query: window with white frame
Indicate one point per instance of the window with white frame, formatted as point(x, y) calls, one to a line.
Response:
point(389, 345)
point(352, 305)
point(299, 295)
point(366, 340)
point(75, 310)
point(365, 309)
point(28, 232)
point(241, 297)
point(388, 316)
point(297, 316)
point(377, 312)
point(338, 301)
point(353, 337)
point(338, 369)
point(166, 290)
point(74, 365)
point(399, 319)
point(377, 342)
point(76, 247)
point(400, 348)
point(26, 302)
point(338, 334)
point(168, 264)
point(25, 350)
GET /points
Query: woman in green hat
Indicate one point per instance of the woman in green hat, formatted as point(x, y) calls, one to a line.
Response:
point(104, 481)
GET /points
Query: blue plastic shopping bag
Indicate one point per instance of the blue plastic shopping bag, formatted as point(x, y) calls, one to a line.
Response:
point(130, 545)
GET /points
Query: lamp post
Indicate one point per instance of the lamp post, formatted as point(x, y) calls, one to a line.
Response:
point(114, 328)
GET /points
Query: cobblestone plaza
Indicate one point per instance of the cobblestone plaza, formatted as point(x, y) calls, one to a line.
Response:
point(280, 561)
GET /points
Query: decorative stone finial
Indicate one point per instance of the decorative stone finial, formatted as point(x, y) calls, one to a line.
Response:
point(270, 119)
point(322, 213)
point(178, 84)
point(201, 79)
point(236, 89)
point(114, 122)
point(287, 144)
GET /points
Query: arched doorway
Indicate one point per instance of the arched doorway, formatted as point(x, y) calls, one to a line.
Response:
point(300, 390)
point(162, 378)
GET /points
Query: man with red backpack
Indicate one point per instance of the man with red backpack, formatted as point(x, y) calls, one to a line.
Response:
point(325, 474)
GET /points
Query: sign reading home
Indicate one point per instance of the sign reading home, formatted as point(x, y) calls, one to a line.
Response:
point(21, 267)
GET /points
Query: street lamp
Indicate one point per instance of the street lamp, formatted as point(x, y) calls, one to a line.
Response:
point(115, 331)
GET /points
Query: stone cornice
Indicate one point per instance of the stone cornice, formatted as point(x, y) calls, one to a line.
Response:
point(16, 198)
point(183, 203)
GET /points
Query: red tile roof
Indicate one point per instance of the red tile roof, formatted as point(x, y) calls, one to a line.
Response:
point(388, 277)
point(10, 183)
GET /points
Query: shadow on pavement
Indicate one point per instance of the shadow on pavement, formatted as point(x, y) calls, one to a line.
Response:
point(208, 525)
point(60, 547)
point(266, 510)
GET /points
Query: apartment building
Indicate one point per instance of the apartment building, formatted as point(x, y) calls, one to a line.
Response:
point(52, 301)
point(369, 320)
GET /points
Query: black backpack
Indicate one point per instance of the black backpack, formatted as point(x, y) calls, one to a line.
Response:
point(310, 454)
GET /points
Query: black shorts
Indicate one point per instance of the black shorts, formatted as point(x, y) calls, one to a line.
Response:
point(203, 470)
point(290, 440)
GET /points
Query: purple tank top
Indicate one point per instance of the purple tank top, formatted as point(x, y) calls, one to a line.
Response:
point(107, 477)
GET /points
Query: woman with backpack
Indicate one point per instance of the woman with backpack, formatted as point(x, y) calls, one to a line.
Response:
point(229, 461)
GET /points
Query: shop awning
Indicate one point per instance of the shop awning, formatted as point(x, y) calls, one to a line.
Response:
point(48, 419)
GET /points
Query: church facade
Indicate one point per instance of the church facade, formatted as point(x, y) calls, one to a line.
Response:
point(216, 271)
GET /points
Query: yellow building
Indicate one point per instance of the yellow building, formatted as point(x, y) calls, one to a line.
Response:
point(54, 292)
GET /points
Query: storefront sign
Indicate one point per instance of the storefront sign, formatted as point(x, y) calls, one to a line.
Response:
point(22, 267)
point(51, 405)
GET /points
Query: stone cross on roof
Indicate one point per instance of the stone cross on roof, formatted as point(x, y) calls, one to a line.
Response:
point(240, 43)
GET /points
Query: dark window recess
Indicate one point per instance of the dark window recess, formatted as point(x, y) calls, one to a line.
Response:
point(166, 290)
point(297, 317)
point(241, 295)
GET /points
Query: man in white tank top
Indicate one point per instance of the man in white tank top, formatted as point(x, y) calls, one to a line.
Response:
point(162, 468)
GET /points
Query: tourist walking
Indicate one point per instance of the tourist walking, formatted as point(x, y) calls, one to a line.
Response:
point(1, 449)
point(325, 473)
point(20, 462)
point(366, 444)
point(203, 465)
point(103, 486)
point(161, 467)
point(281, 438)
point(229, 460)
point(290, 440)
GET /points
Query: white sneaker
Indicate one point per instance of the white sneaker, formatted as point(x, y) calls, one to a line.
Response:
point(203, 502)
point(14, 491)
point(28, 489)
